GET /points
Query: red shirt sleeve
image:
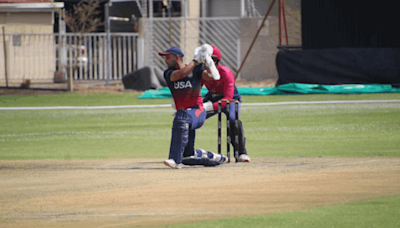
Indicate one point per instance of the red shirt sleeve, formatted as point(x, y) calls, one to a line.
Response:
point(228, 85)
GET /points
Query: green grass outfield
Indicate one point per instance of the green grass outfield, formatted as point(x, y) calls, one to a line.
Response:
point(376, 213)
point(330, 130)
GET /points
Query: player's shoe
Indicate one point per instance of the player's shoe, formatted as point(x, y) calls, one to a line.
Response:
point(223, 160)
point(244, 158)
point(171, 163)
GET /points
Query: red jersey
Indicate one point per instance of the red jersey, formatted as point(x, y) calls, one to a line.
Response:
point(224, 87)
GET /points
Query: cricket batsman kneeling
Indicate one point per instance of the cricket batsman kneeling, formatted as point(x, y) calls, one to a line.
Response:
point(184, 83)
point(224, 88)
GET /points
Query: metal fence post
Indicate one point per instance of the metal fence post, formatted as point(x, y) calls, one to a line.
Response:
point(5, 56)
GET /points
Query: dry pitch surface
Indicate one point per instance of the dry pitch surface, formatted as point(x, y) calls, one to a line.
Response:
point(144, 192)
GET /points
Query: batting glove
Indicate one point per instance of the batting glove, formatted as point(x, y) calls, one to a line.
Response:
point(207, 49)
point(198, 55)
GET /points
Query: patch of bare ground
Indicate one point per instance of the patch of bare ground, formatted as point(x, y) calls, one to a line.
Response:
point(144, 192)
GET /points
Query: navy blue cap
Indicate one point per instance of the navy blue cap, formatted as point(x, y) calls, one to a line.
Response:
point(173, 50)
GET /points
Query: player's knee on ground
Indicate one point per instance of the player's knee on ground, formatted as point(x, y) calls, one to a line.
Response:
point(202, 157)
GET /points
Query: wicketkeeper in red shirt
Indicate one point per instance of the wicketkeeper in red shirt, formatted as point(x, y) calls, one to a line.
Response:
point(224, 88)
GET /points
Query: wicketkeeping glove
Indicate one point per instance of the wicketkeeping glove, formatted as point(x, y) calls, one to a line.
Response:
point(173, 103)
point(173, 106)
point(208, 106)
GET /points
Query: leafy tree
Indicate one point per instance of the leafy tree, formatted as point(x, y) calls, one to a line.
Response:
point(83, 18)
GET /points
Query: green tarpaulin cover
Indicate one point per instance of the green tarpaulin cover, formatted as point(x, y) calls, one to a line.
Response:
point(291, 88)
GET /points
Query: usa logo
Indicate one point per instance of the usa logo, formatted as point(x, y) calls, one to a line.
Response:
point(182, 85)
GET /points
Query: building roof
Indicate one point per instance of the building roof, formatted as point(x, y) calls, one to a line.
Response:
point(30, 7)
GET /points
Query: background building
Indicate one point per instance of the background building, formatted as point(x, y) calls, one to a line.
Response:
point(21, 60)
point(137, 30)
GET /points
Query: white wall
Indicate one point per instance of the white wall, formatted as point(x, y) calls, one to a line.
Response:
point(26, 55)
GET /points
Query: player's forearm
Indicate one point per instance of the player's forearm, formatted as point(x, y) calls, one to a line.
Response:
point(208, 72)
point(212, 69)
point(228, 95)
point(185, 71)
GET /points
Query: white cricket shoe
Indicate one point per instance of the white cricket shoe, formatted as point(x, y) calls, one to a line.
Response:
point(171, 163)
point(244, 158)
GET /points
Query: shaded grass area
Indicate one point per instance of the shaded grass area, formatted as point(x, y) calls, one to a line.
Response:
point(382, 212)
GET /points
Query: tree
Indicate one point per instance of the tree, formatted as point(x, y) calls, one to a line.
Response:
point(83, 18)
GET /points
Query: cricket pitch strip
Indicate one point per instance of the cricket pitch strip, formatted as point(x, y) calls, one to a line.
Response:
point(144, 192)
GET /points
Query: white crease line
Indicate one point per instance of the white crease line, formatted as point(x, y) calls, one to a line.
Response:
point(352, 163)
point(111, 164)
point(83, 107)
point(168, 105)
point(372, 161)
point(320, 102)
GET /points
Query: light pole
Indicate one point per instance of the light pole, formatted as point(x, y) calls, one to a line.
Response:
point(108, 41)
